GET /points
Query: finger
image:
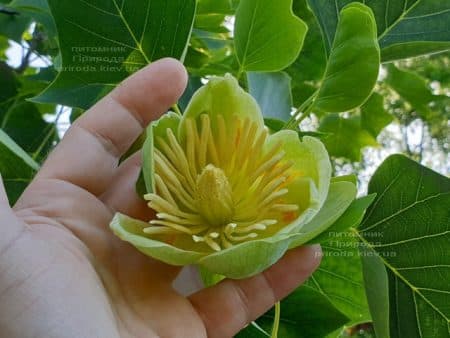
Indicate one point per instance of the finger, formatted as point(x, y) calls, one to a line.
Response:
point(242, 301)
point(88, 154)
point(121, 196)
point(11, 227)
point(3, 197)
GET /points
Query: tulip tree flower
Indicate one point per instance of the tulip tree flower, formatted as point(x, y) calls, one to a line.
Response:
point(228, 195)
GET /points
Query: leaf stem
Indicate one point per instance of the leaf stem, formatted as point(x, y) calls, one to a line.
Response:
point(305, 108)
point(276, 321)
point(52, 129)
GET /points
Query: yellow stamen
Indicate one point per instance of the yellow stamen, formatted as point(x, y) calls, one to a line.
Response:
point(220, 186)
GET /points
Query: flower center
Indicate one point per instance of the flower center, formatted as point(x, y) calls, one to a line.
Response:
point(214, 196)
point(218, 187)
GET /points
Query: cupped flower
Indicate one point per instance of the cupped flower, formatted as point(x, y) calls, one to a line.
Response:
point(228, 195)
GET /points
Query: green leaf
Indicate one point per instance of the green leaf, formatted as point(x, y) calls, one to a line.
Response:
point(102, 42)
point(373, 115)
point(211, 15)
point(412, 88)
point(376, 284)
point(347, 139)
point(4, 45)
point(193, 85)
point(214, 7)
point(307, 71)
point(275, 125)
point(38, 10)
point(268, 36)
point(272, 91)
point(8, 85)
point(408, 227)
point(23, 122)
point(351, 218)
point(405, 29)
point(339, 277)
point(353, 64)
point(305, 313)
point(13, 26)
point(16, 167)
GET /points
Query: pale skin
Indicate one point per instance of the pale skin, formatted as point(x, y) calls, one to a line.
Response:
point(64, 274)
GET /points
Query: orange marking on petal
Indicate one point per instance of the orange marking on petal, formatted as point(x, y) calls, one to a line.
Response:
point(289, 216)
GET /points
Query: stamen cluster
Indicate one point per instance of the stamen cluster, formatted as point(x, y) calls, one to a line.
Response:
point(219, 187)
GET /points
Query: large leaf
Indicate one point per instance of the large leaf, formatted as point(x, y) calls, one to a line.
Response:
point(23, 122)
point(339, 277)
point(306, 313)
point(38, 10)
point(13, 26)
point(413, 88)
point(376, 284)
point(307, 71)
point(211, 15)
point(268, 36)
point(16, 167)
point(351, 218)
point(408, 227)
point(8, 85)
point(103, 41)
point(373, 115)
point(273, 93)
point(405, 28)
point(353, 64)
point(347, 137)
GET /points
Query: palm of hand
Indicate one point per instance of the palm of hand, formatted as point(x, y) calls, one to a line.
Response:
point(63, 273)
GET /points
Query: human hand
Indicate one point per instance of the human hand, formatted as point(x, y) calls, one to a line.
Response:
point(64, 274)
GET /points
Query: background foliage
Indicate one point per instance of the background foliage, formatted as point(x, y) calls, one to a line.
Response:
point(369, 80)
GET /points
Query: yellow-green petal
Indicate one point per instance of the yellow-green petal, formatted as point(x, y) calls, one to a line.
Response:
point(156, 129)
point(222, 96)
point(130, 230)
point(311, 172)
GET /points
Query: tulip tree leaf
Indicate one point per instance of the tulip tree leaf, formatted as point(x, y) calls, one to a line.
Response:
point(353, 64)
point(377, 290)
point(8, 85)
point(351, 218)
point(373, 115)
point(16, 167)
point(262, 43)
point(308, 69)
point(408, 227)
point(305, 313)
point(272, 91)
point(413, 88)
point(339, 277)
point(347, 137)
point(405, 28)
point(24, 124)
point(13, 26)
point(102, 42)
point(38, 10)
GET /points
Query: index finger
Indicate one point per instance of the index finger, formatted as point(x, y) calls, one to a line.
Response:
point(89, 153)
